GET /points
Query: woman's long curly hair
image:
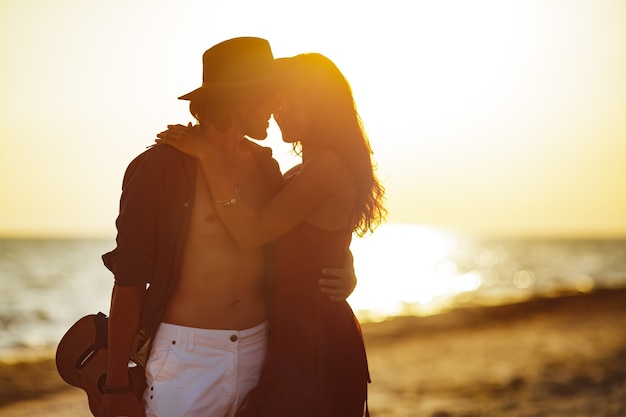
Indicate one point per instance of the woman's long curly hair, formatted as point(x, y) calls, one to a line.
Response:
point(336, 126)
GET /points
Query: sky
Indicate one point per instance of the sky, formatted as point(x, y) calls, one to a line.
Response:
point(489, 117)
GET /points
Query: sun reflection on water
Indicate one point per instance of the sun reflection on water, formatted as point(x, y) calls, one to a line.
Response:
point(407, 269)
point(417, 270)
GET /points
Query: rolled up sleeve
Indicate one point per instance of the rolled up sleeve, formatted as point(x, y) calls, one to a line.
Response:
point(133, 261)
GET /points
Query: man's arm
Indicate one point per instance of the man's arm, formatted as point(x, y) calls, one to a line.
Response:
point(132, 264)
point(126, 304)
point(339, 282)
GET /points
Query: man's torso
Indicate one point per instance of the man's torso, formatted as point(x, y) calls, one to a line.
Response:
point(221, 286)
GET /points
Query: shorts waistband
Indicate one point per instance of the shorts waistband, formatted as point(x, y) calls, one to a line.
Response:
point(210, 337)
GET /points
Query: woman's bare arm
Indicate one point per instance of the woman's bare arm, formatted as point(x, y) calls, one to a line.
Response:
point(306, 192)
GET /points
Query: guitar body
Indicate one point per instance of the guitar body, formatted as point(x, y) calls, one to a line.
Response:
point(81, 360)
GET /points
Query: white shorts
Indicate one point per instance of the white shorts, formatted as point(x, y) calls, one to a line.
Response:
point(200, 372)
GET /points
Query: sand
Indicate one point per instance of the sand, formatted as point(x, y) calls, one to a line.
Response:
point(551, 357)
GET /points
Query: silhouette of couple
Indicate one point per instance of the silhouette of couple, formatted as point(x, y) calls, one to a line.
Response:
point(231, 279)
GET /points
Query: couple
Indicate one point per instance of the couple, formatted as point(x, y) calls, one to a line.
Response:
point(219, 291)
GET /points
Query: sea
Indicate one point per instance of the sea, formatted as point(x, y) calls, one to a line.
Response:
point(48, 284)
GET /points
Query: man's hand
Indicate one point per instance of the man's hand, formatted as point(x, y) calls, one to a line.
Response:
point(115, 405)
point(339, 283)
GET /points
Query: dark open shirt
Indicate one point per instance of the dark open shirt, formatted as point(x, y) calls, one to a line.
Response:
point(155, 207)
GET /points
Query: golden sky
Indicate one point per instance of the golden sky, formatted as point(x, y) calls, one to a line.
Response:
point(496, 117)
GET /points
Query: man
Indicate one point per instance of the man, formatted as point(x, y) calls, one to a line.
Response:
point(188, 305)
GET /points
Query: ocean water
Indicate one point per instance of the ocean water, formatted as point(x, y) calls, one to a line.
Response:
point(47, 284)
point(409, 269)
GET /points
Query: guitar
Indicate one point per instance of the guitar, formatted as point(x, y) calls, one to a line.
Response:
point(81, 360)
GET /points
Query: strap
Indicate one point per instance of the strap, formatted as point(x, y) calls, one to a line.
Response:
point(100, 342)
point(102, 331)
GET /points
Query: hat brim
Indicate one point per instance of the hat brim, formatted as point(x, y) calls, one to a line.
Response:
point(192, 94)
point(207, 88)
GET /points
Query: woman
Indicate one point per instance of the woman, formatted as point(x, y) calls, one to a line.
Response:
point(316, 363)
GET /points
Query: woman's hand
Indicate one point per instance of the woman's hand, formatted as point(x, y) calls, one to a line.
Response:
point(187, 139)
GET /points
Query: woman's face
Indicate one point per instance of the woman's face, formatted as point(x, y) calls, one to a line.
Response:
point(293, 117)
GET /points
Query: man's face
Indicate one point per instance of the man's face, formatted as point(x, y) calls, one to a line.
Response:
point(256, 120)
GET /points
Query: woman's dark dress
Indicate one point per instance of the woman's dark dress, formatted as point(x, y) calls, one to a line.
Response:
point(316, 363)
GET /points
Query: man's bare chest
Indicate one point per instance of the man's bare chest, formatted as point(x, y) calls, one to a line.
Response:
point(253, 190)
point(253, 187)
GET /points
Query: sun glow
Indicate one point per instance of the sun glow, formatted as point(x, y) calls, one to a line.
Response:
point(489, 116)
point(406, 269)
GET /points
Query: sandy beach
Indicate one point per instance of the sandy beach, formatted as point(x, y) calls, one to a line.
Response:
point(549, 357)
